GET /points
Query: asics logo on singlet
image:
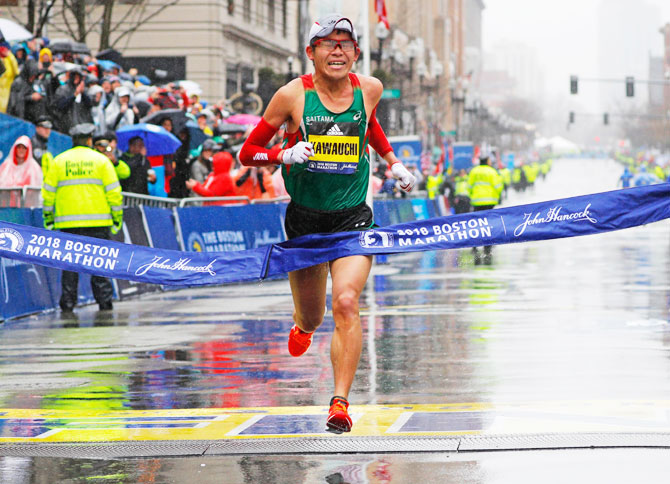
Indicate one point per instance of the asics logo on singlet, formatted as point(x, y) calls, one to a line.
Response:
point(335, 131)
point(261, 157)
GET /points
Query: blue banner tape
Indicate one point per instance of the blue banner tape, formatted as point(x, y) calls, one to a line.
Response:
point(569, 217)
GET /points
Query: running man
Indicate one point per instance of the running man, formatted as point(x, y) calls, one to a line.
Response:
point(329, 117)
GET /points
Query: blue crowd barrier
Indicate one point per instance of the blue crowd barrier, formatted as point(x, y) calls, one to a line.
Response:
point(11, 128)
point(221, 228)
point(28, 288)
point(420, 208)
point(161, 225)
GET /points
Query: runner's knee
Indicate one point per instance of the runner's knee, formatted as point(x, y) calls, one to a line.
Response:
point(345, 306)
point(308, 322)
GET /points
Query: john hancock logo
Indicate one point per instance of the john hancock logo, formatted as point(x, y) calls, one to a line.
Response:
point(183, 264)
point(554, 215)
point(10, 240)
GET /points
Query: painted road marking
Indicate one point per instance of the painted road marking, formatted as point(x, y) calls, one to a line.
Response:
point(42, 425)
point(241, 428)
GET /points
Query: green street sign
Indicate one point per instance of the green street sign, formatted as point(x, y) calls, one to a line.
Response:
point(391, 94)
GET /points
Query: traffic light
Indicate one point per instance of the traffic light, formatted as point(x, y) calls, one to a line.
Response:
point(574, 86)
point(630, 86)
point(606, 119)
point(572, 117)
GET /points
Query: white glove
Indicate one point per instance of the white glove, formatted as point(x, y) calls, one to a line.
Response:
point(300, 153)
point(407, 180)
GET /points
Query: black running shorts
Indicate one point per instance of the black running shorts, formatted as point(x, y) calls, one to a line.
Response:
point(302, 220)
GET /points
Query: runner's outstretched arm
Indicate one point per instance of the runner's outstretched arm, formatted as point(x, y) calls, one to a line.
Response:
point(382, 146)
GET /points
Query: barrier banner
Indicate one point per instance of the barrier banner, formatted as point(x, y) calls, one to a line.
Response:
point(24, 288)
point(568, 217)
point(382, 210)
point(420, 208)
point(222, 229)
point(133, 232)
point(160, 222)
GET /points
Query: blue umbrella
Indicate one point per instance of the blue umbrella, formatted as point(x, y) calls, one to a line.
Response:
point(197, 136)
point(108, 65)
point(157, 140)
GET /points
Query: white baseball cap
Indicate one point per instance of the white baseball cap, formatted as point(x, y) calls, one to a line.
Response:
point(333, 21)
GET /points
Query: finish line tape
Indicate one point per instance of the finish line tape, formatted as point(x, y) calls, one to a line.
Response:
point(568, 217)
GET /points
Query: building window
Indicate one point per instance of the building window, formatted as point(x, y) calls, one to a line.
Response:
point(246, 10)
point(231, 7)
point(284, 20)
point(271, 15)
point(260, 14)
point(232, 73)
point(247, 78)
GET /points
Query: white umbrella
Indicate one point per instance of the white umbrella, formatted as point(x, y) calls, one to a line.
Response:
point(191, 87)
point(13, 32)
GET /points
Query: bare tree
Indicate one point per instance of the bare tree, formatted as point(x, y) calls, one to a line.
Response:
point(81, 17)
point(37, 15)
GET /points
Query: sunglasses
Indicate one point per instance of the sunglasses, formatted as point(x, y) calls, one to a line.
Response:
point(103, 147)
point(331, 44)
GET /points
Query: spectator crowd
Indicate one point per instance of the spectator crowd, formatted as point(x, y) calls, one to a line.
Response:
point(60, 91)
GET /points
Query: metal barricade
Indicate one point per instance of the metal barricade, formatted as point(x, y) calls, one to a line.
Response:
point(136, 200)
point(11, 197)
point(32, 197)
point(258, 201)
point(200, 201)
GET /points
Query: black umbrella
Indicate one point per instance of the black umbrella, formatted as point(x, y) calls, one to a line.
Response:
point(143, 107)
point(110, 54)
point(64, 46)
point(177, 116)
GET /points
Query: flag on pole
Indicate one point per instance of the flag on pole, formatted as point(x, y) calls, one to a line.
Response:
point(380, 9)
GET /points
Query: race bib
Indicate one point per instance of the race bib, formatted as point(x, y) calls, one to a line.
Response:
point(336, 147)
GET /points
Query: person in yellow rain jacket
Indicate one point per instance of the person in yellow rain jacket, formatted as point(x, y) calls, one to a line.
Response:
point(530, 170)
point(485, 189)
point(461, 192)
point(10, 71)
point(485, 186)
point(433, 184)
point(82, 196)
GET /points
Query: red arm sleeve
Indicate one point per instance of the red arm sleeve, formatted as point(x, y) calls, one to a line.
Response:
point(254, 152)
point(378, 138)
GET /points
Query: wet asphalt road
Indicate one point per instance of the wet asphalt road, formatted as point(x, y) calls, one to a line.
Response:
point(578, 319)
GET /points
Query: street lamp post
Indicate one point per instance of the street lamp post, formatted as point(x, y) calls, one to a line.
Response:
point(382, 33)
point(457, 90)
point(289, 75)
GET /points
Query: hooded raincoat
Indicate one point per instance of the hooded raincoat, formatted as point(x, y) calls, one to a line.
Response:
point(15, 174)
point(219, 183)
point(6, 79)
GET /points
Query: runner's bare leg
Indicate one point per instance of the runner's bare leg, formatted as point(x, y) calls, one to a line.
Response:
point(308, 287)
point(349, 275)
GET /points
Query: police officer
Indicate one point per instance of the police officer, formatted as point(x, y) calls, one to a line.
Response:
point(82, 196)
point(485, 189)
point(40, 143)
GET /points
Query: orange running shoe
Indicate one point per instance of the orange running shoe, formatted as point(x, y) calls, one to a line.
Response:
point(338, 419)
point(298, 341)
